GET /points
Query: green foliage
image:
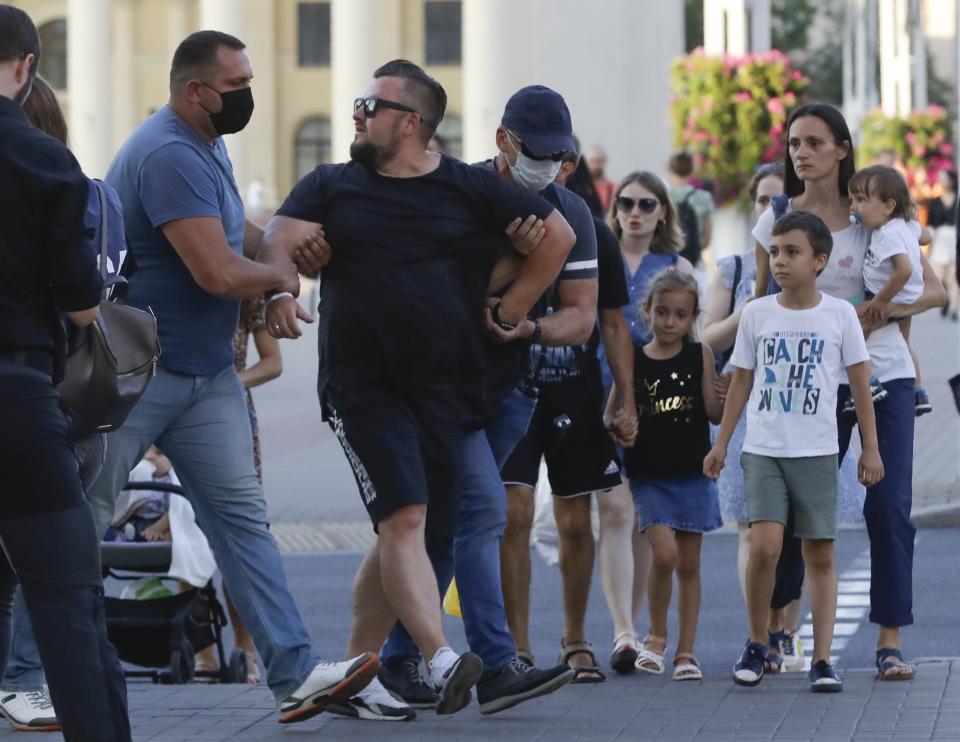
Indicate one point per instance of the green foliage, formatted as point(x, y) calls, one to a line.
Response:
point(790, 22)
point(922, 141)
point(730, 112)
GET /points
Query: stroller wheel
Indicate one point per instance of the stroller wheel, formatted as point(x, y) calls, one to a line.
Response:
point(236, 669)
point(181, 663)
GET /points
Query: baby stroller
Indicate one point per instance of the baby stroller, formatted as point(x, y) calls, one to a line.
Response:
point(164, 632)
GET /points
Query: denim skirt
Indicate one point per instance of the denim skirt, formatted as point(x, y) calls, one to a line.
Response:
point(682, 503)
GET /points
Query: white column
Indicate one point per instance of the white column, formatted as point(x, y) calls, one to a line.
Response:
point(229, 16)
point(353, 57)
point(761, 35)
point(261, 159)
point(124, 89)
point(895, 93)
point(499, 57)
point(725, 27)
point(88, 79)
point(918, 54)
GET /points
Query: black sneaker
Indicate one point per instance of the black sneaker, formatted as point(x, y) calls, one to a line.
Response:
point(823, 678)
point(749, 669)
point(922, 402)
point(517, 682)
point(405, 683)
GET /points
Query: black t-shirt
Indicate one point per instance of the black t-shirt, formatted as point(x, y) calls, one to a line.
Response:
point(938, 213)
point(554, 365)
point(401, 300)
point(674, 431)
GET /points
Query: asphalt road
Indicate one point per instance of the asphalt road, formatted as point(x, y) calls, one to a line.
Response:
point(321, 585)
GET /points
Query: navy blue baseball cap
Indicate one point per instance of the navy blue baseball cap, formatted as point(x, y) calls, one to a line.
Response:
point(540, 117)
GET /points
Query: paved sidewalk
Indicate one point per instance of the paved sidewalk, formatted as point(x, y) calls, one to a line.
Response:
point(632, 708)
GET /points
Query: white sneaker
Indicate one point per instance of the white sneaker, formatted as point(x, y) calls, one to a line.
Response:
point(29, 711)
point(793, 659)
point(328, 682)
point(373, 703)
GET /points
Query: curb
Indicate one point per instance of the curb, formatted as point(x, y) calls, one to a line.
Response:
point(937, 516)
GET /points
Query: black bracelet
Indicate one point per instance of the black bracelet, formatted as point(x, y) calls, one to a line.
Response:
point(505, 326)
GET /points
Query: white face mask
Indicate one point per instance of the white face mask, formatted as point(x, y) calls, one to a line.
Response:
point(534, 175)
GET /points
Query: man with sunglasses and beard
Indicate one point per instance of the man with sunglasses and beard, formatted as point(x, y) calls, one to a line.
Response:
point(415, 237)
point(534, 137)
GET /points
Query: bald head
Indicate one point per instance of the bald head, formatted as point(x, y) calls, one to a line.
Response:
point(596, 159)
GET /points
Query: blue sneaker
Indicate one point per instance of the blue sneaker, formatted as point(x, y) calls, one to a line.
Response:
point(749, 669)
point(823, 678)
point(876, 391)
point(922, 402)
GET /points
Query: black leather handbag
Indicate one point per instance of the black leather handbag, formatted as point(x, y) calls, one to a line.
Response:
point(109, 363)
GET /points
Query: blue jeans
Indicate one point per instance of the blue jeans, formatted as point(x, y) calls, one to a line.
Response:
point(887, 507)
point(201, 423)
point(476, 546)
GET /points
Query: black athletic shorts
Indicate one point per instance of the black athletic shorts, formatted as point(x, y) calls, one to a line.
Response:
point(567, 429)
point(403, 451)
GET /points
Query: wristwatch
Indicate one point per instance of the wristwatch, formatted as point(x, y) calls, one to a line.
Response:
point(537, 330)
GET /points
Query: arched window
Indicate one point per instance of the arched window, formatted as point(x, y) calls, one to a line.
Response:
point(311, 146)
point(53, 53)
point(450, 133)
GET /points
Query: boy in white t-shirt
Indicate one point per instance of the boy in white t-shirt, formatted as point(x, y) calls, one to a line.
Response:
point(892, 271)
point(798, 342)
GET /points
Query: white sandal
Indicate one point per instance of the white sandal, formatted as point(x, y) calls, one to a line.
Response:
point(688, 670)
point(647, 657)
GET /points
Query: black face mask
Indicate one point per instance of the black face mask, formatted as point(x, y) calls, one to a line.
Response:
point(236, 110)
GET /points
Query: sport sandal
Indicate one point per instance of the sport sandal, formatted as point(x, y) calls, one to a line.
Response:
point(686, 667)
point(587, 674)
point(885, 665)
point(648, 660)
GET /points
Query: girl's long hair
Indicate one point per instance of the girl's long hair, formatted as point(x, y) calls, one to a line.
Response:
point(670, 279)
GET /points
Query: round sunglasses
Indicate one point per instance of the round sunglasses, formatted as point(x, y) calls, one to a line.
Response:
point(646, 205)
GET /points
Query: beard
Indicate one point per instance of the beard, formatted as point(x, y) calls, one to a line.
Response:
point(373, 156)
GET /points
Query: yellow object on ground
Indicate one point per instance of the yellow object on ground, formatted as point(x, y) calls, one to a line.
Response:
point(451, 601)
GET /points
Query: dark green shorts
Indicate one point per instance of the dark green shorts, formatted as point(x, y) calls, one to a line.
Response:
point(809, 485)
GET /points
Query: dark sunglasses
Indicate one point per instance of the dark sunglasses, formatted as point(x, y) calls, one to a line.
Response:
point(555, 157)
point(371, 105)
point(646, 205)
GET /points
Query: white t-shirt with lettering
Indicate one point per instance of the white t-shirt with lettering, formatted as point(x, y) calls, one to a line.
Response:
point(843, 279)
point(796, 356)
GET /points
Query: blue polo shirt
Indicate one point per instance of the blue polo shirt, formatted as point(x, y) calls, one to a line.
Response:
point(164, 172)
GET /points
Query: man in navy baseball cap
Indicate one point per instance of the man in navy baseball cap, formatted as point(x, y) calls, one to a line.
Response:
point(535, 133)
point(541, 120)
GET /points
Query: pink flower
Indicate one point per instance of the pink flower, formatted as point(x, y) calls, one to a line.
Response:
point(775, 106)
point(789, 98)
point(742, 97)
point(700, 136)
point(772, 154)
point(918, 150)
point(911, 137)
point(796, 75)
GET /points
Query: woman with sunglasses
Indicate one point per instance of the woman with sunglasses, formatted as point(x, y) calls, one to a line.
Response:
point(818, 164)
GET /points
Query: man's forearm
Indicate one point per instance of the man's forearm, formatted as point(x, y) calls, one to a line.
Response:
point(252, 236)
point(567, 326)
point(538, 271)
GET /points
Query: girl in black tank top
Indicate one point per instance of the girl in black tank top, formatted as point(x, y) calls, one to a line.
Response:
point(674, 377)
